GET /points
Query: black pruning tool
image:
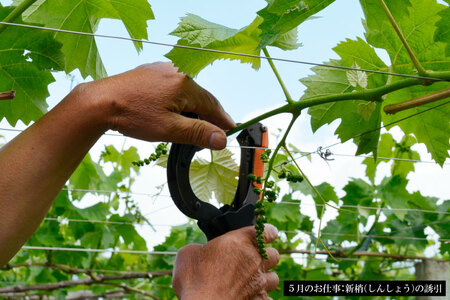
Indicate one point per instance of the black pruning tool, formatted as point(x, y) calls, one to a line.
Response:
point(215, 221)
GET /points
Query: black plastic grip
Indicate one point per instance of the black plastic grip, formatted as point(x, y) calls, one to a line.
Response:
point(212, 220)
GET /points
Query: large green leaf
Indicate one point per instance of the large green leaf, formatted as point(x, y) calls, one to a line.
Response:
point(27, 58)
point(218, 176)
point(357, 117)
point(197, 32)
point(282, 16)
point(84, 15)
point(418, 26)
point(443, 29)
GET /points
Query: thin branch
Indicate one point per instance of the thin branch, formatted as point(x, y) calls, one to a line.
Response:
point(341, 253)
point(394, 24)
point(99, 279)
point(17, 12)
point(275, 71)
point(7, 95)
point(394, 108)
point(132, 289)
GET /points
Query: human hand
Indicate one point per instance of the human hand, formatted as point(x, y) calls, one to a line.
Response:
point(146, 103)
point(227, 267)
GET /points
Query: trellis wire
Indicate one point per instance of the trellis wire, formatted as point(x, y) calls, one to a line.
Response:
point(99, 250)
point(284, 202)
point(293, 151)
point(366, 132)
point(137, 252)
point(374, 208)
point(367, 235)
point(216, 51)
point(286, 231)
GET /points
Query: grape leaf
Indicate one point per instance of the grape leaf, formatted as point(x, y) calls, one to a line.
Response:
point(443, 29)
point(282, 16)
point(418, 25)
point(357, 78)
point(431, 127)
point(325, 189)
point(395, 195)
point(345, 226)
point(218, 176)
point(197, 32)
point(123, 161)
point(329, 81)
point(84, 15)
point(27, 59)
point(389, 148)
point(194, 31)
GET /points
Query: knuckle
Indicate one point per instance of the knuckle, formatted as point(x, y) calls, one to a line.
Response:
point(196, 132)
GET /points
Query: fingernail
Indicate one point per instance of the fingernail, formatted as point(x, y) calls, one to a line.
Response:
point(217, 141)
point(275, 230)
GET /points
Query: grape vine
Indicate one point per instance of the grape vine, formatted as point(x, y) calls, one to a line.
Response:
point(379, 226)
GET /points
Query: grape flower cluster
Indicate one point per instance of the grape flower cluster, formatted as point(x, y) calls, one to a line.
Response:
point(161, 149)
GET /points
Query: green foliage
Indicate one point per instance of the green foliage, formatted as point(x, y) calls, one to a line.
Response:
point(388, 147)
point(375, 215)
point(194, 31)
point(25, 65)
point(218, 175)
point(81, 51)
point(418, 25)
point(283, 16)
point(355, 118)
point(362, 118)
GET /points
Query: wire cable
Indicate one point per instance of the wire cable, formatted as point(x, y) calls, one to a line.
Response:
point(286, 231)
point(366, 132)
point(216, 51)
point(99, 250)
point(372, 208)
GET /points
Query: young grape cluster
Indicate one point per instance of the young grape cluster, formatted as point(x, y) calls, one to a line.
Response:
point(161, 149)
point(290, 176)
point(270, 194)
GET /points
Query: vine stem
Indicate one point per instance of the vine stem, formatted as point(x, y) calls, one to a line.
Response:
point(394, 24)
point(280, 80)
point(17, 11)
point(7, 95)
point(99, 279)
point(374, 94)
point(395, 108)
point(277, 148)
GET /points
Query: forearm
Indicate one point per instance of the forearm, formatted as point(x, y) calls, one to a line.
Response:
point(36, 164)
point(144, 103)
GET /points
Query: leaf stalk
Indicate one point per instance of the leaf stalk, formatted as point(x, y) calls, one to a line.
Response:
point(280, 80)
point(394, 24)
point(17, 11)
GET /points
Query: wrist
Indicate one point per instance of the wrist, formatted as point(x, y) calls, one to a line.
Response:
point(93, 104)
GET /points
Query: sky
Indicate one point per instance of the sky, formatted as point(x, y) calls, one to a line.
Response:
point(245, 93)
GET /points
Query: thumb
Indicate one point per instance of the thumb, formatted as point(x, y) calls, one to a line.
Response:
point(196, 132)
